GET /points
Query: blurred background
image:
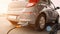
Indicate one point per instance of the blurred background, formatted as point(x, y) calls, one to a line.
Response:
point(5, 25)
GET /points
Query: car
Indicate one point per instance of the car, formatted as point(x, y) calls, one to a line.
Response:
point(40, 13)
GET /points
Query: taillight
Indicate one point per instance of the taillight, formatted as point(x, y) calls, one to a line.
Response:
point(30, 5)
point(35, 1)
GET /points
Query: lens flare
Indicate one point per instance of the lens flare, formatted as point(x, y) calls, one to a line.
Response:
point(4, 6)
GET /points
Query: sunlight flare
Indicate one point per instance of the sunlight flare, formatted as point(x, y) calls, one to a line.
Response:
point(4, 6)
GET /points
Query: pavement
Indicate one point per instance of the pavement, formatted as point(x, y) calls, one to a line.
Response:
point(5, 26)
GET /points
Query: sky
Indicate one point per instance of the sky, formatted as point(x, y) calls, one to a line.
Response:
point(56, 2)
point(4, 5)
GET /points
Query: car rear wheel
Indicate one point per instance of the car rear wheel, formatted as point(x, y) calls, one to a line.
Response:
point(40, 24)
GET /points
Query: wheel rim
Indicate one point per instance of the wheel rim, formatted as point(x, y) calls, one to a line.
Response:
point(42, 22)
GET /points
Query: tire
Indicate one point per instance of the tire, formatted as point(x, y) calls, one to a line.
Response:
point(40, 22)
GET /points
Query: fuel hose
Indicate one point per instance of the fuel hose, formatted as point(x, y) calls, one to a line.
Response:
point(13, 29)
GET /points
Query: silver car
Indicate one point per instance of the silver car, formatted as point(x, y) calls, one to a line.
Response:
point(34, 12)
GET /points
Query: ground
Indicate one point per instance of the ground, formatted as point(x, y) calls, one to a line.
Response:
point(5, 25)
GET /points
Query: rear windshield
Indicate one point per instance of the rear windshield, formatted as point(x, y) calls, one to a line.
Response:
point(15, 5)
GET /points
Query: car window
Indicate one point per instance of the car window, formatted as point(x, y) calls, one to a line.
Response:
point(44, 1)
point(16, 5)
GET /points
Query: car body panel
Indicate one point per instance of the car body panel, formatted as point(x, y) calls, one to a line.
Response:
point(31, 14)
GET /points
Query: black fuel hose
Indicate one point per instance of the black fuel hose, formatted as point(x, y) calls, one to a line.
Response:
point(13, 29)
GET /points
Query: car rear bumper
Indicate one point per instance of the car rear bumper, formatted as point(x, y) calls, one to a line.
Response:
point(21, 17)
